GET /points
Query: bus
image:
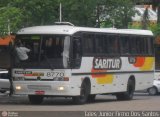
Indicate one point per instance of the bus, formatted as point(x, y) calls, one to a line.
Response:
point(81, 62)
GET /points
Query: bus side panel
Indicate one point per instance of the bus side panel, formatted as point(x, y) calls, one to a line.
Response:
point(110, 81)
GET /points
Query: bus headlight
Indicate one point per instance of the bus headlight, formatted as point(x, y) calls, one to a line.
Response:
point(61, 79)
point(61, 88)
point(18, 78)
point(18, 87)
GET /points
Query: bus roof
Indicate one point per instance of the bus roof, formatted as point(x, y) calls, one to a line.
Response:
point(69, 30)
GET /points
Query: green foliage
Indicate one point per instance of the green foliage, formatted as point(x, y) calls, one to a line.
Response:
point(79, 12)
point(37, 12)
point(24, 13)
point(10, 17)
point(155, 29)
point(119, 12)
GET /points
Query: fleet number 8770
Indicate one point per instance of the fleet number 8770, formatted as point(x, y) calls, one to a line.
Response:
point(55, 74)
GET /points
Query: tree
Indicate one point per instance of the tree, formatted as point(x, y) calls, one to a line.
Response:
point(8, 21)
point(38, 12)
point(158, 13)
point(145, 19)
point(119, 12)
point(79, 12)
point(156, 4)
point(24, 13)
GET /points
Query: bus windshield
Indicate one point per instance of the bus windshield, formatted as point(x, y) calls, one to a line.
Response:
point(42, 51)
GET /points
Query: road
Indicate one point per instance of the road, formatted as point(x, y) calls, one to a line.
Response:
point(140, 102)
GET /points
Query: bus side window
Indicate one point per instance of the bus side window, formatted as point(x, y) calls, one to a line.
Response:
point(125, 45)
point(106, 44)
point(99, 44)
point(77, 52)
point(88, 44)
point(134, 45)
point(150, 46)
point(115, 45)
point(146, 47)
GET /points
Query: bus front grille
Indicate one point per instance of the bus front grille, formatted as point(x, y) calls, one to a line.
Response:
point(39, 87)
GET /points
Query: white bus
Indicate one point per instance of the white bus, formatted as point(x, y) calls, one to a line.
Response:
point(81, 62)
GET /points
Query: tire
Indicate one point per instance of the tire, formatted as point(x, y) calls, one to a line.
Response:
point(128, 95)
point(84, 93)
point(3, 91)
point(35, 99)
point(91, 98)
point(152, 91)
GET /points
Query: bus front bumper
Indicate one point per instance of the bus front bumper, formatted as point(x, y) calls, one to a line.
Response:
point(55, 88)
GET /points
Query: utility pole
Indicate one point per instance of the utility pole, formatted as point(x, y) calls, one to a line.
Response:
point(9, 29)
point(60, 13)
point(97, 15)
point(158, 14)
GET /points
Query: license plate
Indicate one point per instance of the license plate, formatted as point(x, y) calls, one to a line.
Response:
point(39, 92)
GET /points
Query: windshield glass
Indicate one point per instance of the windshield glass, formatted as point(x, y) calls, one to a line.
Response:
point(42, 51)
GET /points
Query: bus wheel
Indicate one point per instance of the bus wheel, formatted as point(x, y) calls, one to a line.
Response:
point(35, 99)
point(84, 93)
point(128, 95)
point(91, 98)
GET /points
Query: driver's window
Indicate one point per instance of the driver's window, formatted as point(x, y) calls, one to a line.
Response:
point(77, 49)
point(77, 52)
